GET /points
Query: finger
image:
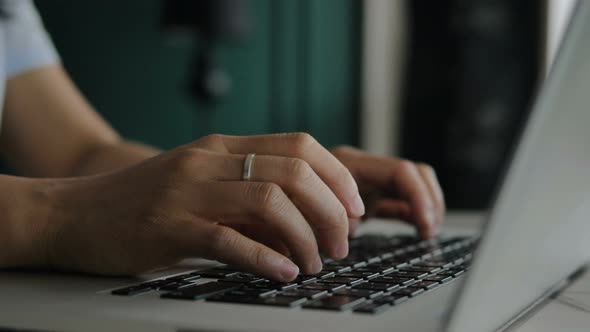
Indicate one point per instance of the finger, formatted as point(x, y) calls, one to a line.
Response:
point(229, 246)
point(402, 177)
point(353, 224)
point(393, 208)
point(433, 185)
point(302, 146)
point(318, 204)
point(261, 203)
point(411, 186)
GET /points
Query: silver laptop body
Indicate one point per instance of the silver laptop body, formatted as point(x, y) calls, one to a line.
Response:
point(536, 236)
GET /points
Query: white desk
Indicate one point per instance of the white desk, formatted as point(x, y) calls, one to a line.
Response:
point(569, 311)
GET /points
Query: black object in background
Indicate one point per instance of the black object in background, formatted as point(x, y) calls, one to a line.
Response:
point(472, 72)
point(212, 22)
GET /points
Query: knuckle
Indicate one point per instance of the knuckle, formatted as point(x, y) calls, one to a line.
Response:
point(341, 214)
point(341, 172)
point(427, 168)
point(309, 237)
point(301, 142)
point(340, 218)
point(220, 239)
point(341, 150)
point(270, 197)
point(211, 140)
point(299, 170)
point(406, 166)
point(187, 160)
point(257, 256)
point(335, 222)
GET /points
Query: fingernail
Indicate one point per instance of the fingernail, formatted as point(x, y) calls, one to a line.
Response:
point(342, 250)
point(433, 220)
point(317, 265)
point(288, 270)
point(358, 207)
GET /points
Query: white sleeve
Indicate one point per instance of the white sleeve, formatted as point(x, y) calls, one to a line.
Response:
point(28, 45)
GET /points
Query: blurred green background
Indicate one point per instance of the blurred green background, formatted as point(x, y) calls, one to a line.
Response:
point(297, 71)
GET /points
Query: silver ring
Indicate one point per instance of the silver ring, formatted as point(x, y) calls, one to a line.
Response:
point(247, 172)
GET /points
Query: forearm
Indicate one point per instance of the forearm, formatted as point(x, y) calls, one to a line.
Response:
point(112, 156)
point(26, 203)
point(23, 215)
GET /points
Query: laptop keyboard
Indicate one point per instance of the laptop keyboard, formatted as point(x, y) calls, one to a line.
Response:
point(379, 272)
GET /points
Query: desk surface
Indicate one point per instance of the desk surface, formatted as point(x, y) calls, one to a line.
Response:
point(569, 311)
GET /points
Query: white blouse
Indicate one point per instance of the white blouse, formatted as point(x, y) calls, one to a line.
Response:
point(24, 43)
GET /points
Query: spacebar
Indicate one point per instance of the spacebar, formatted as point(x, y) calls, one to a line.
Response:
point(201, 291)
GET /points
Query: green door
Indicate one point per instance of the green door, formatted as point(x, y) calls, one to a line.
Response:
point(297, 72)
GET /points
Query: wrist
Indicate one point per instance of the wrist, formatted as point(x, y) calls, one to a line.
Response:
point(25, 204)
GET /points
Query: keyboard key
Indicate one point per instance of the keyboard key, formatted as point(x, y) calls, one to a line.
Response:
point(243, 293)
point(356, 274)
point(303, 279)
point(439, 278)
point(254, 292)
point(230, 298)
point(426, 284)
point(132, 290)
point(354, 262)
point(322, 286)
point(409, 291)
point(324, 274)
point(192, 277)
point(366, 269)
point(273, 285)
point(410, 259)
point(226, 268)
point(308, 293)
point(356, 292)
point(216, 274)
point(434, 264)
point(414, 268)
point(391, 299)
point(284, 301)
point(339, 303)
point(374, 260)
point(372, 308)
point(336, 268)
point(395, 280)
point(201, 291)
point(407, 274)
point(279, 301)
point(156, 284)
point(397, 264)
point(452, 272)
point(176, 285)
point(378, 286)
point(242, 278)
point(342, 280)
point(380, 268)
point(184, 277)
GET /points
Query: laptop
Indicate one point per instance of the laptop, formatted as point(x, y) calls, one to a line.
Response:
point(534, 240)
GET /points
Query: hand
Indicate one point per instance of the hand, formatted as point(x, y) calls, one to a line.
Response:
point(191, 202)
point(396, 188)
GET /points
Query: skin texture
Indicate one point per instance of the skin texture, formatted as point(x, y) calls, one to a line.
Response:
point(93, 202)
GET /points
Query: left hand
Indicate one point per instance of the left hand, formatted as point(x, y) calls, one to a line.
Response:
point(395, 188)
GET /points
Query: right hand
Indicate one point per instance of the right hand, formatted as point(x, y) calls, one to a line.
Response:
point(191, 202)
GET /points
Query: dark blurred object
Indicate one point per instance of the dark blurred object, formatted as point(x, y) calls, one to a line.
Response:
point(213, 22)
point(473, 70)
